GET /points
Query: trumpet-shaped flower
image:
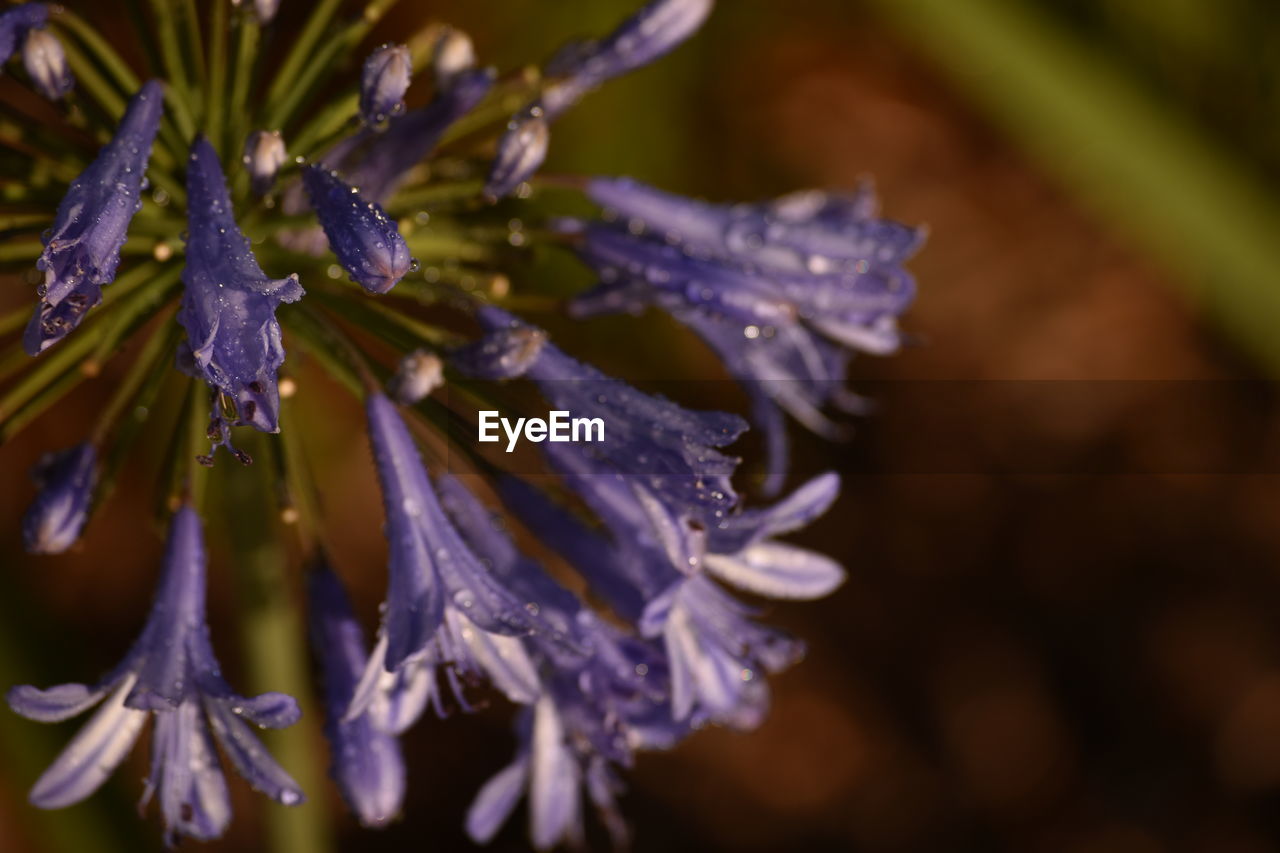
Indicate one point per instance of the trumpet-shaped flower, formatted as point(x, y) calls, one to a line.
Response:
point(170, 672)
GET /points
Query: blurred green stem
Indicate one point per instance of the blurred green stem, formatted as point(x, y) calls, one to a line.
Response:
point(1147, 168)
point(273, 639)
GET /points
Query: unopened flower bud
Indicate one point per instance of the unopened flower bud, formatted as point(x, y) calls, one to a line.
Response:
point(454, 54)
point(367, 242)
point(46, 64)
point(264, 154)
point(520, 152)
point(383, 83)
point(58, 514)
point(419, 374)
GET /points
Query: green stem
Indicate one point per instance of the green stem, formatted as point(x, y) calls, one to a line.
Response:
point(242, 75)
point(178, 94)
point(1150, 170)
point(303, 48)
point(273, 638)
point(215, 86)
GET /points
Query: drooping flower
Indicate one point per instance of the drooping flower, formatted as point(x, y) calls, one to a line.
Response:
point(383, 82)
point(365, 762)
point(65, 481)
point(671, 451)
point(82, 249)
point(229, 304)
point(366, 241)
point(784, 291)
point(171, 671)
point(16, 22)
point(46, 64)
point(443, 606)
point(264, 154)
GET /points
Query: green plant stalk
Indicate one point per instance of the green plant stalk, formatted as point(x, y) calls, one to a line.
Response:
point(324, 62)
point(178, 92)
point(273, 637)
point(319, 344)
point(417, 198)
point(321, 14)
point(242, 74)
point(194, 45)
point(1147, 169)
point(216, 84)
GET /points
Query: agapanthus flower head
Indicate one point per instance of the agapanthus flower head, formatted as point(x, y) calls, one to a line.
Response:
point(65, 482)
point(171, 672)
point(229, 305)
point(264, 154)
point(46, 64)
point(366, 762)
point(82, 249)
point(16, 22)
point(383, 82)
point(367, 241)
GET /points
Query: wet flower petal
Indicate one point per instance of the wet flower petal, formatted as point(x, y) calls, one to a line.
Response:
point(367, 242)
point(82, 249)
point(229, 305)
point(383, 82)
point(521, 151)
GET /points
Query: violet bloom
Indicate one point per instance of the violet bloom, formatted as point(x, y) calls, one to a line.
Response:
point(229, 304)
point(784, 291)
point(716, 654)
point(671, 451)
point(82, 249)
point(367, 242)
point(264, 154)
point(16, 22)
point(46, 64)
point(65, 481)
point(383, 82)
point(521, 151)
point(444, 608)
point(598, 695)
point(171, 671)
point(367, 763)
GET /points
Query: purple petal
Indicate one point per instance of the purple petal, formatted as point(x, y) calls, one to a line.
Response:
point(249, 756)
point(521, 150)
point(95, 751)
point(496, 801)
point(56, 703)
point(383, 82)
point(82, 249)
point(16, 21)
point(368, 243)
point(58, 514)
point(555, 799)
point(184, 768)
point(777, 570)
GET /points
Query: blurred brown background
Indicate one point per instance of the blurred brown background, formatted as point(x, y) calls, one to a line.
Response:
point(1062, 637)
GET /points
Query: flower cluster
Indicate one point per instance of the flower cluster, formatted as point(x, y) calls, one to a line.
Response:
point(217, 196)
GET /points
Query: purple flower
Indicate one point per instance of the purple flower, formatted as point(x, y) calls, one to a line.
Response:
point(521, 151)
point(654, 31)
point(368, 243)
point(784, 291)
point(669, 450)
point(366, 762)
point(46, 63)
point(383, 82)
point(16, 22)
point(65, 481)
point(444, 608)
point(171, 671)
point(264, 154)
point(229, 305)
point(82, 249)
